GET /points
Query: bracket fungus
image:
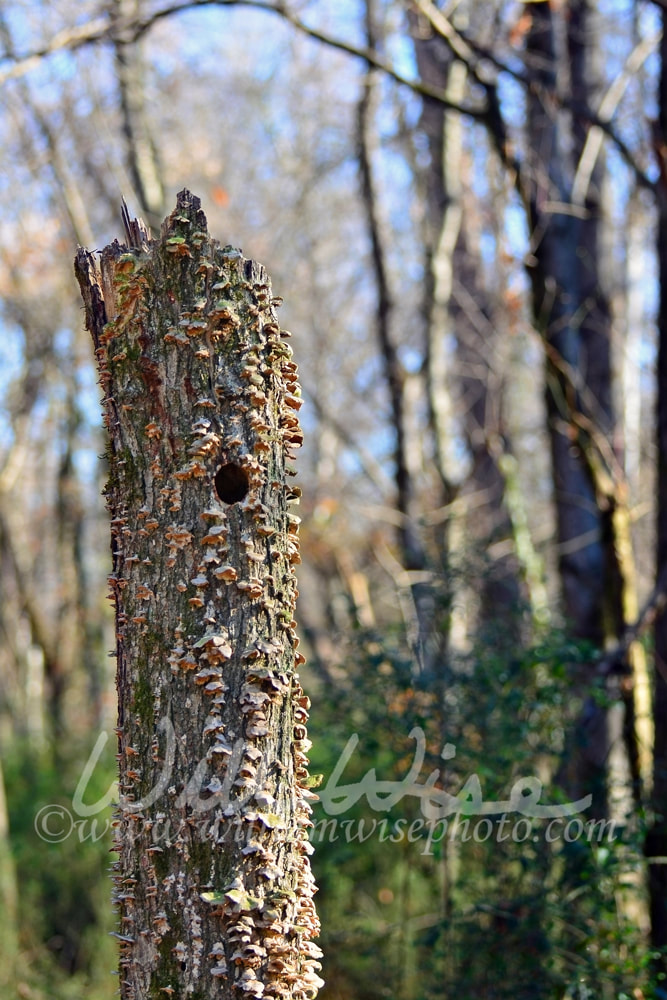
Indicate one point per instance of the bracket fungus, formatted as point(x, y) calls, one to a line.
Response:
point(200, 404)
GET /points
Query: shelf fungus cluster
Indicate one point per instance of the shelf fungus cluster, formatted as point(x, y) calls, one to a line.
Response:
point(213, 881)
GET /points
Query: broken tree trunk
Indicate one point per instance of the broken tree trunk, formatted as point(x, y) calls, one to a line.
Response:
point(213, 882)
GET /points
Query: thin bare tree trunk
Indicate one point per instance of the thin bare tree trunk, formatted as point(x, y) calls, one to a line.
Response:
point(213, 882)
point(141, 153)
point(656, 845)
point(406, 444)
point(457, 307)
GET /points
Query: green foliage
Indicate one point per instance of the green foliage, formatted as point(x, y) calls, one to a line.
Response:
point(64, 889)
point(489, 909)
point(478, 910)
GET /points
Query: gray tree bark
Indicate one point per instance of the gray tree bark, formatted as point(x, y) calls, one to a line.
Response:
point(213, 881)
point(572, 312)
point(556, 272)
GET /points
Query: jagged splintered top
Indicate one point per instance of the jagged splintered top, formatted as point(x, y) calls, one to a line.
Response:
point(188, 209)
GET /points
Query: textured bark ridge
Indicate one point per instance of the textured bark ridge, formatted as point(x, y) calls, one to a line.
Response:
point(213, 881)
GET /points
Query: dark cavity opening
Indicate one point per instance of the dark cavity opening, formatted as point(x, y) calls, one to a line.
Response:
point(231, 483)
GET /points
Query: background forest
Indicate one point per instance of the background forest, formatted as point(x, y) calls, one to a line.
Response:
point(464, 205)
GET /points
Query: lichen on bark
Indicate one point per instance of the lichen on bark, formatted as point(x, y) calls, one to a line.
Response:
point(213, 881)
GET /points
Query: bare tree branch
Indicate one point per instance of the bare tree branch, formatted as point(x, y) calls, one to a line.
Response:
point(101, 29)
point(474, 55)
point(607, 109)
point(141, 150)
point(370, 466)
point(393, 370)
point(470, 52)
point(72, 201)
point(653, 608)
point(367, 53)
point(68, 39)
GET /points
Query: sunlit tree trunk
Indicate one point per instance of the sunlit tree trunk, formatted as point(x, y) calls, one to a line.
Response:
point(656, 847)
point(213, 882)
point(464, 384)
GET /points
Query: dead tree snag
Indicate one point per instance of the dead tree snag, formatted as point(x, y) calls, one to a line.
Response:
point(213, 882)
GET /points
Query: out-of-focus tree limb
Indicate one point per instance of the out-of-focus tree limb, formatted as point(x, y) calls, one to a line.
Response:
point(72, 202)
point(653, 607)
point(370, 466)
point(69, 39)
point(474, 56)
point(393, 370)
point(141, 150)
point(101, 29)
